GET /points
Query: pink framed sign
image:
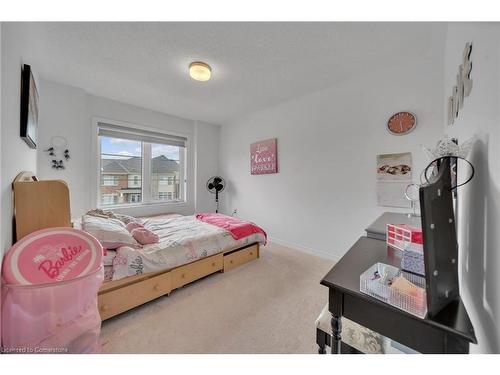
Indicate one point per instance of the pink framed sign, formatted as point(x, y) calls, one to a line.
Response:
point(264, 157)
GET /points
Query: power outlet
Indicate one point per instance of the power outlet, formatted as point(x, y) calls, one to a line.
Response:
point(235, 212)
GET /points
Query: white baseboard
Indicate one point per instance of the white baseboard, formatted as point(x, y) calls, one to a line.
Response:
point(304, 249)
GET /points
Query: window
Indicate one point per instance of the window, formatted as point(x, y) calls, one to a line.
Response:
point(165, 172)
point(109, 180)
point(139, 166)
point(165, 195)
point(109, 198)
point(135, 198)
point(120, 160)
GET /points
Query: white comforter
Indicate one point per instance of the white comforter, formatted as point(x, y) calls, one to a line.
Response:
point(182, 240)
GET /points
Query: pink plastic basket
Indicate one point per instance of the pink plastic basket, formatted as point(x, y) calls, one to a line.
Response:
point(56, 311)
point(52, 318)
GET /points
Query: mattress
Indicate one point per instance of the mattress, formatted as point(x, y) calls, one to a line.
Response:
point(183, 240)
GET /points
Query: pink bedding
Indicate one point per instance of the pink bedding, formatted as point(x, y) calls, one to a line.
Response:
point(238, 228)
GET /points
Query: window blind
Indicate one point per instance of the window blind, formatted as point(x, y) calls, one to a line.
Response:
point(123, 132)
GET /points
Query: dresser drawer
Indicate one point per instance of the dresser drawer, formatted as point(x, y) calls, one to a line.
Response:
point(196, 270)
point(119, 300)
point(240, 257)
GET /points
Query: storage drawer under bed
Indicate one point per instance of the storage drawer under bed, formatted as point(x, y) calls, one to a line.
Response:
point(119, 300)
point(239, 257)
point(196, 270)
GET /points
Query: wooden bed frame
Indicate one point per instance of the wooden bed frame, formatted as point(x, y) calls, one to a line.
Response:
point(121, 295)
point(45, 204)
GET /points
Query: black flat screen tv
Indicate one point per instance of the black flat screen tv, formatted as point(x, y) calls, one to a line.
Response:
point(29, 107)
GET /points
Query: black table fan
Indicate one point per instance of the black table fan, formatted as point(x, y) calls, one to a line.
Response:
point(215, 185)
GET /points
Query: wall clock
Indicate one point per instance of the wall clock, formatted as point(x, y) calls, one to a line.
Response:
point(401, 123)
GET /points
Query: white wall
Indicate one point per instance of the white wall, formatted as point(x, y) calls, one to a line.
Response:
point(207, 163)
point(16, 155)
point(64, 112)
point(68, 111)
point(324, 195)
point(479, 201)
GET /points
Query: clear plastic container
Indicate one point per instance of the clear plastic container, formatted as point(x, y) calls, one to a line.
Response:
point(58, 317)
point(404, 237)
point(385, 293)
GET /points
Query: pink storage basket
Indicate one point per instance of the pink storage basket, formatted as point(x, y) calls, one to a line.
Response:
point(52, 317)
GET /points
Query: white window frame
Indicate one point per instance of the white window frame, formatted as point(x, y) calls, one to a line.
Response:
point(147, 199)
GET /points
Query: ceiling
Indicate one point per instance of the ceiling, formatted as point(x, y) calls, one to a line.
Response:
point(254, 65)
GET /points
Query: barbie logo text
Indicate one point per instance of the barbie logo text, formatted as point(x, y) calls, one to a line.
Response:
point(53, 267)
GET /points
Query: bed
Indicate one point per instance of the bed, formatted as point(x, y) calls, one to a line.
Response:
point(188, 248)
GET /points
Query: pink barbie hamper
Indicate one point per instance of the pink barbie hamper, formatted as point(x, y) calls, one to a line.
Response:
point(49, 293)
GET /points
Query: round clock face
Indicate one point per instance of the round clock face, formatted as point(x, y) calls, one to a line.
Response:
point(401, 123)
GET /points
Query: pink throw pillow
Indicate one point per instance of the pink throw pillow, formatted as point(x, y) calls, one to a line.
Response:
point(145, 236)
point(133, 225)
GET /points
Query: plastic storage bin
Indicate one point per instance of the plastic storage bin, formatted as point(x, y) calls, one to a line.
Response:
point(60, 317)
point(403, 236)
point(391, 296)
point(408, 239)
point(49, 293)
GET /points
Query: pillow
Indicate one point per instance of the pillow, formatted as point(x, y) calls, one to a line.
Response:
point(111, 233)
point(145, 236)
point(133, 225)
point(106, 214)
point(127, 218)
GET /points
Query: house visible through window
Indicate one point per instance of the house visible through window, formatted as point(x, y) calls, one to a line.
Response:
point(165, 176)
point(140, 166)
point(120, 160)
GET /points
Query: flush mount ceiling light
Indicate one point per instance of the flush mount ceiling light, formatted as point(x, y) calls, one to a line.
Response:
point(199, 71)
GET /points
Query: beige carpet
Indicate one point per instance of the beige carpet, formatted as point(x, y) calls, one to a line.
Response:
point(265, 306)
